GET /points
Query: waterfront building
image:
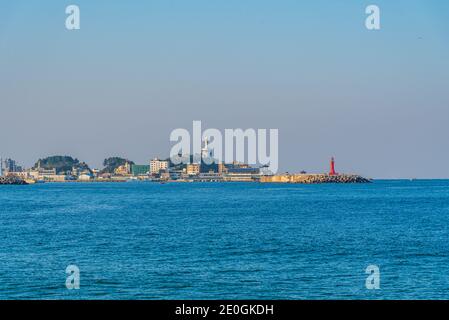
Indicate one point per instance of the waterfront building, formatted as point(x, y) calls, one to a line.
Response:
point(104, 176)
point(242, 174)
point(46, 175)
point(248, 170)
point(76, 172)
point(236, 164)
point(20, 174)
point(33, 174)
point(40, 173)
point(156, 165)
point(123, 170)
point(209, 177)
point(85, 177)
point(140, 170)
point(43, 174)
point(193, 169)
point(176, 174)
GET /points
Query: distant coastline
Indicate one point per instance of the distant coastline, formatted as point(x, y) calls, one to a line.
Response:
point(193, 169)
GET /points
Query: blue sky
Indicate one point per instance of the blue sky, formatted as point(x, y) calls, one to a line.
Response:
point(376, 100)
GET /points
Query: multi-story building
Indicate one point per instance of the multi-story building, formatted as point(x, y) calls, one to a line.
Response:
point(21, 174)
point(209, 177)
point(76, 172)
point(193, 169)
point(46, 175)
point(140, 170)
point(176, 174)
point(222, 168)
point(9, 166)
point(242, 174)
point(156, 165)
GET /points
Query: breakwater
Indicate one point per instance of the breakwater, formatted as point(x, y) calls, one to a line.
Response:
point(314, 178)
point(12, 181)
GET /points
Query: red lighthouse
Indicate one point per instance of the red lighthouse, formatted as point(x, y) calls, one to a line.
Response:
point(332, 168)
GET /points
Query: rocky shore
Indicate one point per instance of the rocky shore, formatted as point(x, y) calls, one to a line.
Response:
point(12, 181)
point(315, 178)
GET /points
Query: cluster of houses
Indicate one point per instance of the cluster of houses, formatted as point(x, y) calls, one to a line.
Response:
point(156, 170)
point(9, 167)
point(164, 170)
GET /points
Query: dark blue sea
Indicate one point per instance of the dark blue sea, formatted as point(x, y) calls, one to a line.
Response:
point(225, 240)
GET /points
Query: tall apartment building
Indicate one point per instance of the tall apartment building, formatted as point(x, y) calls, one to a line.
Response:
point(157, 165)
point(9, 165)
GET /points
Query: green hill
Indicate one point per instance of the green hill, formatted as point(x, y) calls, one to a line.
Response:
point(62, 164)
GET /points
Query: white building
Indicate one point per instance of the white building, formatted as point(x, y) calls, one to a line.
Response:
point(85, 177)
point(157, 165)
point(205, 150)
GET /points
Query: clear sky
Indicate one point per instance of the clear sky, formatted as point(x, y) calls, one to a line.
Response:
point(376, 100)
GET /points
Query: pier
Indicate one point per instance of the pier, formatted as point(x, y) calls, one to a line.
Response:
point(314, 178)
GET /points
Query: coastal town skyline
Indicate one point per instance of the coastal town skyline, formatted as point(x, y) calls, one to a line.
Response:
point(186, 168)
point(321, 168)
point(205, 164)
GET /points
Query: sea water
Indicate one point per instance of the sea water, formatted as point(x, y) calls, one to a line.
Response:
point(225, 240)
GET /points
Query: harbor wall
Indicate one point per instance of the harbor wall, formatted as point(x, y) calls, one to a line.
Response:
point(314, 178)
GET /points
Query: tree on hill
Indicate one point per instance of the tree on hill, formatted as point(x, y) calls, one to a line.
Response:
point(112, 163)
point(62, 164)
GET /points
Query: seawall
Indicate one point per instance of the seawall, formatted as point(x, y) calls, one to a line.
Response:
point(12, 181)
point(314, 178)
